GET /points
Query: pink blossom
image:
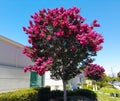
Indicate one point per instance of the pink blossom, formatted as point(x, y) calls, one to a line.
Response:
point(59, 34)
point(49, 37)
point(31, 23)
point(38, 61)
point(25, 69)
point(24, 29)
point(94, 71)
point(30, 41)
point(74, 48)
point(95, 24)
point(42, 35)
point(73, 27)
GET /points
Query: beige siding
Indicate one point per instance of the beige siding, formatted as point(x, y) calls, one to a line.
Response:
point(12, 78)
point(12, 62)
point(12, 55)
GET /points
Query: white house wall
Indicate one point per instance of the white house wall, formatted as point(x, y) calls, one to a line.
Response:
point(12, 78)
point(12, 55)
point(52, 83)
point(12, 62)
point(74, 83)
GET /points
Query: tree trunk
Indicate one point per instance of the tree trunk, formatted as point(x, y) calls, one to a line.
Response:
point(65, 92)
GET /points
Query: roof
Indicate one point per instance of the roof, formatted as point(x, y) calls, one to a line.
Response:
point(11, 41)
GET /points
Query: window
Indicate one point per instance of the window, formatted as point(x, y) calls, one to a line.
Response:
point(36, 80)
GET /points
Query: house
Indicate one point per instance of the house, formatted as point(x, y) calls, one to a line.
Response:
point(12, 76)
point(12, 62)
point(77, 81)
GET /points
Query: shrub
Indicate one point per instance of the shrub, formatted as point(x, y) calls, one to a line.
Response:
point(19, 95)
point(56, 93)
point(85, 86)
point(43, 93)
point(80, 92)
point(103, 84)
point(85, 92)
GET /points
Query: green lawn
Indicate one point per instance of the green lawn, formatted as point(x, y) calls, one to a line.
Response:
point(104, 94)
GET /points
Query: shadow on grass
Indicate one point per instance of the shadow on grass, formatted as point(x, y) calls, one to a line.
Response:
point(75, 98)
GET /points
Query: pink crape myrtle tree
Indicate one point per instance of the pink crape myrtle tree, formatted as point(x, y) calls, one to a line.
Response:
point(61, 42)
point(94, 72)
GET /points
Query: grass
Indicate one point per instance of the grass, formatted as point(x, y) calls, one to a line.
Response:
point(104, 94)
point(105, 97)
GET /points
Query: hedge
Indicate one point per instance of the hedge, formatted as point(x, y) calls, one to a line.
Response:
point(20, 95)
point(44, 94)
point(56, 94)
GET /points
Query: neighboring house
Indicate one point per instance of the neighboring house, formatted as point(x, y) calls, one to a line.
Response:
point(77, 81)
point(12, 76)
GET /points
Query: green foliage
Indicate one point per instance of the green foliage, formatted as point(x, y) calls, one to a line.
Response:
point(108, 94)
point(80, 92)
point(118, 74)
point(103, 84)
point(32, 94)
point(86, 93)
point(105, 78)
point(90, 87)
point(43, 93)
point(109, 90)
point(19, 95)
point(85, 86)
point(56, 93)
point(67, 86)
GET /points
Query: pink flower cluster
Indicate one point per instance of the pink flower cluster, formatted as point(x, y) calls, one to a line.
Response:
point(91, 38)
point(94, 71)
point(74, 48)
point(41, 66)
point(28, 51)
point(49, 26)
point(54, 22)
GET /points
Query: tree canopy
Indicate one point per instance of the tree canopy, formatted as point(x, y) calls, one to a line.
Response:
point(61, 42)
point(94, 72)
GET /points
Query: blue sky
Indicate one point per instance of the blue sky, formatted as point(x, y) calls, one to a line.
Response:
point(16, 13)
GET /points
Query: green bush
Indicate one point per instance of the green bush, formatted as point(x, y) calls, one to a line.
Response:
point(90, 87)
point(43, 93)
point(85, 92)
point(19, 95)
point(102, 84)
point(32, 94)
point(80, 92)
point(56, 94)
point(85, 86)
